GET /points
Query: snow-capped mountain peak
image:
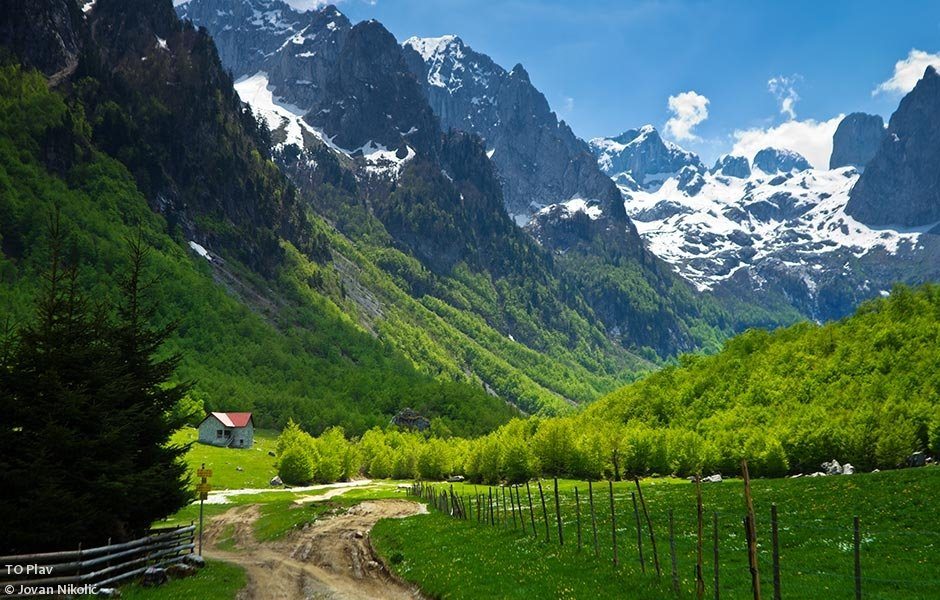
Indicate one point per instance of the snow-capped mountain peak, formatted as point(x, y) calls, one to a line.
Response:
point(431, 48)
point(642, 156)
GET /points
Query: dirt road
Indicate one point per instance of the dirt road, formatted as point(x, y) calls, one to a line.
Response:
point(331, 559)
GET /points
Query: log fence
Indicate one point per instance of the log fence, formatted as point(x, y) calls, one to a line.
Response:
point(102, 566)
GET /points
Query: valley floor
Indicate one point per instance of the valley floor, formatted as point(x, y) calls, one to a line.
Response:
point(341, 545)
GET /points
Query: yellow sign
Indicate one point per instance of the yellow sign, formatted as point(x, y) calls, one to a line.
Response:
point(203, 473)
point(203, 488)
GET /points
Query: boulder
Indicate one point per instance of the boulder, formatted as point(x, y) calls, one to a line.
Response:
point(109, 592)
point(180, 570)
point(271, 453)
point(276, 481)
point(832, 467)
point(455, 479)
point(195, 560)
point(239, 469)
point(153, 577)
point(716, 478)
point(918, 459)
point(848, 469)
point(817, 474)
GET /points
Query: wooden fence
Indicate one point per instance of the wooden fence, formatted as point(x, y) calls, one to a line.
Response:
point(527, 510)
point(103, 566)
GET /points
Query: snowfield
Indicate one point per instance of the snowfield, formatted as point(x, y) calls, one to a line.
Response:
point(721, 224)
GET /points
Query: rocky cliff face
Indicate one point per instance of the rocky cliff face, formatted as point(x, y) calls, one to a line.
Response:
point(777, 160)
point(52, 41)
point(539, 159)
point(901, 184)
point(856, 140)
point(733, 166)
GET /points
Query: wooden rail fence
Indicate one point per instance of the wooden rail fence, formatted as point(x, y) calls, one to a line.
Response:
point(103, 566)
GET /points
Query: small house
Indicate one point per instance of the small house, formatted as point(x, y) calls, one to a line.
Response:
point(227, 429)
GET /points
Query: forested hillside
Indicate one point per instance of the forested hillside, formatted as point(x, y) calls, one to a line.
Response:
point(292, 352)
point(864, 391)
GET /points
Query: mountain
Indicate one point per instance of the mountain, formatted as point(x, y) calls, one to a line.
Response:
point(856, 140)
point(778, 235)
point(733, 166)
point(777, 160)
point(901, 184)
point(639, 157)
point(539, 159)
point(396, 178)
point(281, 312)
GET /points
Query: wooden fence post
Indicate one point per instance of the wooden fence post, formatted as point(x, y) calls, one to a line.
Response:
point(489, 507)
point(521, 511)
point(776, 550)
point(528, 492)
point(613, 519)
point(544, 512)
point(639, 533)
point(751, 533)
point(672, 554)
point(577, 513)
point(593, 518)
point(505, 518)
point(715, 567)
point(512, 505)
point(561, 537)
point(649, 524)
point(858, 559)
point(699, 576)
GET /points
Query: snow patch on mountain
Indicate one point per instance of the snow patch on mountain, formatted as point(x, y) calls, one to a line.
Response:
point(570, 208)
point(258, 93)
point(730, 223)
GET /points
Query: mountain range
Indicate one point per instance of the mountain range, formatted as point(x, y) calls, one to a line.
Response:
point(409, 224)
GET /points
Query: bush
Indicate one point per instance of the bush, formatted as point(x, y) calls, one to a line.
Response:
point(296, 466)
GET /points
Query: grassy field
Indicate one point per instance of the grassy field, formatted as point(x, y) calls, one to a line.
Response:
point(256, 464)
point(900, 536)
point(216, 581)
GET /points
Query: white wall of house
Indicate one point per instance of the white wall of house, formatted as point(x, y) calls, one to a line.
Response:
point(214, 433)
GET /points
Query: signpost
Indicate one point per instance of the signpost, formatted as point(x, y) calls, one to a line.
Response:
point(203, 489)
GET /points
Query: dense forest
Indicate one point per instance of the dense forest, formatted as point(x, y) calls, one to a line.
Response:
point(864, 390)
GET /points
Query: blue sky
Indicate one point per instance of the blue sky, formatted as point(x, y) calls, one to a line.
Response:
point(606, 66)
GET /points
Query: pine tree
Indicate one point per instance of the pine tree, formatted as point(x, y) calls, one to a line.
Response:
point(84, 453)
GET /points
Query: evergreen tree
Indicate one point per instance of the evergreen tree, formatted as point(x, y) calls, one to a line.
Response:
point(84, 452)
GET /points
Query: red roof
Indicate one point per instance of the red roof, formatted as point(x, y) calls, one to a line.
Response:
point(233, 419)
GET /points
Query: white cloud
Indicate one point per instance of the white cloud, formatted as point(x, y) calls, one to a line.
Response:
point(688, 110)
point(907, 72)
point(784, 88)
point(812, 139)
point(568, 105)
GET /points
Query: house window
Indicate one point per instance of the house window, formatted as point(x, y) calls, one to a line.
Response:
point(241, 442)
point(228, 433)
point(218, 433)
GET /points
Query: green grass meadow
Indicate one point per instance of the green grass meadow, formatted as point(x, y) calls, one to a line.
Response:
point(900, 536)
point(256, 464)
point(216, 581)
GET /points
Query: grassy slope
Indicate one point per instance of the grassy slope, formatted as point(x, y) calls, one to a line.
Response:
point(257, 466)
point(900, 535)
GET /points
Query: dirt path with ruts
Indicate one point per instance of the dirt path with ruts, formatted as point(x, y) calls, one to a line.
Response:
point(330, 559)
